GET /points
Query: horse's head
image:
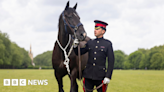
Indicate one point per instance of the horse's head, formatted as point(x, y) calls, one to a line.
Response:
point(72, 23)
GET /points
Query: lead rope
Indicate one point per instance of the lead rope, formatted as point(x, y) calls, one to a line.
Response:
point(66, 61)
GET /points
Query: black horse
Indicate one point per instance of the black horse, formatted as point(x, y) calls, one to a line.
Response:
point(69, 27)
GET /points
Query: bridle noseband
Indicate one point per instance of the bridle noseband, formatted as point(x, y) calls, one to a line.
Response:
point(75, 28)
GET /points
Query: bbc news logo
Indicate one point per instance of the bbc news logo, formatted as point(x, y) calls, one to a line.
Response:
point(23, 82)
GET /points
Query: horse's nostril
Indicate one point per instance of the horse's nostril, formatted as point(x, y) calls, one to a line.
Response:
point(84, 34)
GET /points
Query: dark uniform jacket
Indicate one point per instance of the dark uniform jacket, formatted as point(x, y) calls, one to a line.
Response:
point(99, 50)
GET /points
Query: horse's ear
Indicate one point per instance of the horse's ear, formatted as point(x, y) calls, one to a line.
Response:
point(67, 6)
point(75, 6)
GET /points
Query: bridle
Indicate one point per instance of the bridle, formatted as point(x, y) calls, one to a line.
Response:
point(74, 29)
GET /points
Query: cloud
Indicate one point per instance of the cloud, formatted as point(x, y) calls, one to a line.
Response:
point(133, 24)
point(29, 23)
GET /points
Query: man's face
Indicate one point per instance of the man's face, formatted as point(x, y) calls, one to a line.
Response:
point(99, 32)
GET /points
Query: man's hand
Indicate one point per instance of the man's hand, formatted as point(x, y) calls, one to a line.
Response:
point(106, 80)
point(75, 43)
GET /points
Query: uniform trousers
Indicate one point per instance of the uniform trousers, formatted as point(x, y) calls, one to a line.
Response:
point(89, 84)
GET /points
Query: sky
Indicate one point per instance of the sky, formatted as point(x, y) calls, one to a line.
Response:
point(133, 24)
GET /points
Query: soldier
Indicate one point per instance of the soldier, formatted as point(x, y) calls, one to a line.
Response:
point(98, 50)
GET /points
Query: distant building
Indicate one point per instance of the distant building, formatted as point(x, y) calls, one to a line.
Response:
point(31, 56)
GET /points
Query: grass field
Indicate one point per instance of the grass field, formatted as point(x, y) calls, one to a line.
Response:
point(122, 81)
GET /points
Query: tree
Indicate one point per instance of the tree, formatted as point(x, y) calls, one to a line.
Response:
point(162, 65)
point(11, 55)
point(119, 59)
point(5, 43)
point(26, 61)
point(16, 56)
point(44, 59)
point(135, 58)
point(142, 64)
point(20, 58)
point(156, 61)
point(2, 51)
point(127, 65)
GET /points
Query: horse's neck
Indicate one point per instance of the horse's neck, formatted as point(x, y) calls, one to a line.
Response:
point(64, 38)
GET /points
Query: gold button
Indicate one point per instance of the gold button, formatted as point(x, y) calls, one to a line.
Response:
point(95, 52)
point(97, 41)
point(94, 58)
point(96, 47)
point(93, 64)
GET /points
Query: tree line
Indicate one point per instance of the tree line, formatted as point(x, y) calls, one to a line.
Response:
point(141, 59)
point(11, 55)
point(44, 60)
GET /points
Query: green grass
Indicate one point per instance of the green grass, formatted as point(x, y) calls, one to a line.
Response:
point(122, 81)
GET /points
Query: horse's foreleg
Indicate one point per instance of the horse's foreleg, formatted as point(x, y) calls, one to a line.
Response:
point(60, 81)
point(74, 86)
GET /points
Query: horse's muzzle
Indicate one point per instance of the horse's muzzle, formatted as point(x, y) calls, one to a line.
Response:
point(83, 36)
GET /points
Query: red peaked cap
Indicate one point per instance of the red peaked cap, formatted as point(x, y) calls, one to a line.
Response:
point(101, 24)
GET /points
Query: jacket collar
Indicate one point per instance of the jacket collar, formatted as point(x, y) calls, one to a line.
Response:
point(99, 38)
